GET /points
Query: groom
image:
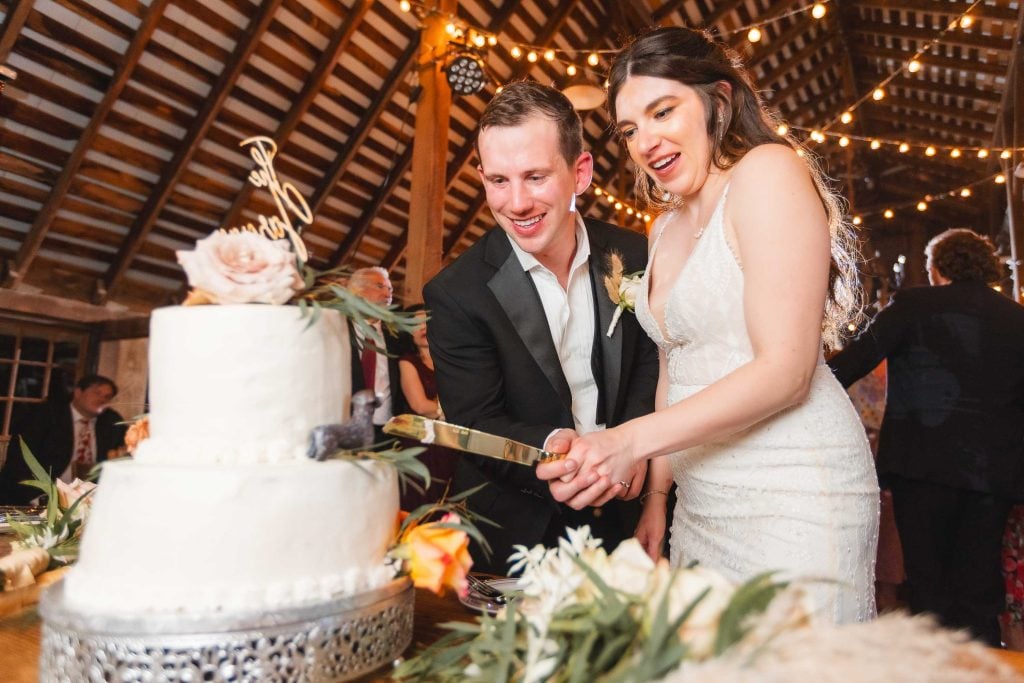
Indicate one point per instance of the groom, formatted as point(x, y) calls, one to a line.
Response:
point(518, 324)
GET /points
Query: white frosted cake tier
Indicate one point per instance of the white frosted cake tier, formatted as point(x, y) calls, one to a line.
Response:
point(240, 538)
point(242, 383)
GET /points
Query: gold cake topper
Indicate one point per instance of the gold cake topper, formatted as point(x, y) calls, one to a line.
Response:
point(285, 195)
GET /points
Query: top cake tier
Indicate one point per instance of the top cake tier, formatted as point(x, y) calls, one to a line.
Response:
point(242, 383)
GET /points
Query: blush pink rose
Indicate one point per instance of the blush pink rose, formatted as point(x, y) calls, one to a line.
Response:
point(241, 268)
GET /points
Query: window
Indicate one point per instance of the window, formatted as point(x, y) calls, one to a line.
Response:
point(37, 363)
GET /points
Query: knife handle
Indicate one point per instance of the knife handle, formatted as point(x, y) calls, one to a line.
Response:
point(548, 456)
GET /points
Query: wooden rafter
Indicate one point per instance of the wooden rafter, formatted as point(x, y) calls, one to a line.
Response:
point(44, 219)
point(11, 27)
point(926, 35)
point(325, 65)
point(359, 134)
point(143, 223)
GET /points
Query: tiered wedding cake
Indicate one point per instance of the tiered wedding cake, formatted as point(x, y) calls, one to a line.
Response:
point(221, 510)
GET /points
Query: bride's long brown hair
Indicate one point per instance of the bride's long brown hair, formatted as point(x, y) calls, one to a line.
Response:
point(736, 123)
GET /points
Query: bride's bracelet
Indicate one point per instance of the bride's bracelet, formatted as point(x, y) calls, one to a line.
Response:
point(647, 494)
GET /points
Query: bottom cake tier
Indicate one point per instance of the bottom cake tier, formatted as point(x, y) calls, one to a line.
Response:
point(233, 538)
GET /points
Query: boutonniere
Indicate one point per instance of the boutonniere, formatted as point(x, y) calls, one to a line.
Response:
point(621, 288)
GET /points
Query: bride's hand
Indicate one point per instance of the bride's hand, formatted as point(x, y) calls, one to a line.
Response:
point(604, 469)
point(650, 530)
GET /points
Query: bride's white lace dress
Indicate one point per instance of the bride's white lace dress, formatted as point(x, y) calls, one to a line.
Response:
point(796, 492)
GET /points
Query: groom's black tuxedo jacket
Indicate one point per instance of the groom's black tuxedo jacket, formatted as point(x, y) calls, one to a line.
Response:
point(954, 411)
point(498, 371)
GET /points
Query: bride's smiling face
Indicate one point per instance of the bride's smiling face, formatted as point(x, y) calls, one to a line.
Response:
point(664, 124)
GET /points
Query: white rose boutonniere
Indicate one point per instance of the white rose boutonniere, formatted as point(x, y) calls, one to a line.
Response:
point(240, 268)
point(621, 288)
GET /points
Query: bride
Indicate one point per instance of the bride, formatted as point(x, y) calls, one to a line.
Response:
point(751, 269)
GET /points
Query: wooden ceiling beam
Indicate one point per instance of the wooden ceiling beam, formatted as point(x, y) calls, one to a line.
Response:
point(948, 8)
point(871, 78)
point(551, 29)
point(769, 45)
point(666, 8)
point(358, 136)
point(325, 66)
point(118, 80)
point(924, 36)
point(865, 49)
point(186, 149)
point(925, 107)
point(920, 131)
point(11, 28)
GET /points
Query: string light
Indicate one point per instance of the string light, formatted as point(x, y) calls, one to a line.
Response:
point(846, 117)
point(961, 191)
point(818, 10)
point(405, 6)
point(844, 141)
point(754, 35)
point(593, 59)
point(531, 56)
point(955, 152)
point(875, 144)
point(570, 70)
point(782, 129)
point(904, 148)
point(929, 151)
point(912, 65)
point(549, 55)
point(982, 153)
point(1005, 154)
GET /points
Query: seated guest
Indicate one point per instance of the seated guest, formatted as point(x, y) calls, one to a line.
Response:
point(66, 437)
point(420, 390)
point(951, 446)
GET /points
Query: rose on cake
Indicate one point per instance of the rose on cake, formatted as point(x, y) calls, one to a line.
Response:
point(239, 268)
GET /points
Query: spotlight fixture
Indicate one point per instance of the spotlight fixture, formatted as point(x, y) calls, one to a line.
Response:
point(466, 74)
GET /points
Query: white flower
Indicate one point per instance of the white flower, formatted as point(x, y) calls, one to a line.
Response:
point(626, 300)
point(629, 568)
point(701, 626)
point(67, 494)
point(241, 268)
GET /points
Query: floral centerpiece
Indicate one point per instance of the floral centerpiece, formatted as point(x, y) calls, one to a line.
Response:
point(582, 614)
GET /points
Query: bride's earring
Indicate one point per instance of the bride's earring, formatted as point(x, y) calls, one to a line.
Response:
point(572, 203)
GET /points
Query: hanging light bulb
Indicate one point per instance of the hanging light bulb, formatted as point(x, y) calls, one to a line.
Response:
point(1000, 179)
point(516, 52)
point(966, 21)
point(405, 6)
point(922, 206)
point(598, 191)
point(914, 66)
point(549, 54)
point(846, 117)
point(799, 152)
point(450, 28)
point(877, 94)
point(875, 144)
point(531, 56)
point(492, 40)
point(929, 151)
point(888, 213)
point(499, 89)
point(647, 218)
point(982, 153)
point(479, 40)
point(844, 141)
point(754, 35)
point(618, 206)
point(782, 129)
point(966, 192)
point(593, 59)
point(818, 11)
point(857, 220)
point(1005, 154)
point(955, 153)
point(570, 70)
point(904, 148)
point(629, 210)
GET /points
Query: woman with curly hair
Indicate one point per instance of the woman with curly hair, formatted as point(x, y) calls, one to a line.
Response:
point(951, 447)
point(751, 275)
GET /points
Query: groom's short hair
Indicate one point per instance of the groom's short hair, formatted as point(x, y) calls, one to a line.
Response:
point(522, 100)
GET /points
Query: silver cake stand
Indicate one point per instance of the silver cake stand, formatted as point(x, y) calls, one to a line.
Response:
point(329, 641)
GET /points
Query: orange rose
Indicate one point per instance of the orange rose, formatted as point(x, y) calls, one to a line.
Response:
point(139, 431)
point(438, 557)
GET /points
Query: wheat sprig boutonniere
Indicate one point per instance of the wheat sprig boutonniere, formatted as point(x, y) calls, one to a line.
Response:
point(621, 288)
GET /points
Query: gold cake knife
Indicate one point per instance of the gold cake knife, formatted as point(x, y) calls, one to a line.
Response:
point(429, 431)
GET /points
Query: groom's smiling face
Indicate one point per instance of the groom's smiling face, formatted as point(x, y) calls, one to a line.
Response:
point(530, 187)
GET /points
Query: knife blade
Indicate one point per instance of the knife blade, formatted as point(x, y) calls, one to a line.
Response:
point(429, 431)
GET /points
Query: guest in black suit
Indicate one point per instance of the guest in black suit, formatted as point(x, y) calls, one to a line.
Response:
point(518, 324)
point(951, 446)
point(66, 437)
point(372, 369)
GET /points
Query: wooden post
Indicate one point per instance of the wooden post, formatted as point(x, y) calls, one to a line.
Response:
point(429, 157)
